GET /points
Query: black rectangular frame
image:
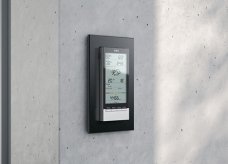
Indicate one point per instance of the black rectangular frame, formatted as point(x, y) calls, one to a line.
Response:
point(94, 44)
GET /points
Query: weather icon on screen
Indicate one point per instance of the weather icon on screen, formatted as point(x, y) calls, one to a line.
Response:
point(116, 72)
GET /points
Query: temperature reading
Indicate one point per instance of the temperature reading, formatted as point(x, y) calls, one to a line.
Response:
point(114, 97)
point(115, 78)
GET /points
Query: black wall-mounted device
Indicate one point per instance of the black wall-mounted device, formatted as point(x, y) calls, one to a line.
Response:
point(110, 83)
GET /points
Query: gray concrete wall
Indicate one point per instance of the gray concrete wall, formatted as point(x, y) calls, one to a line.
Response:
point(181, 63)
point(191, 82)
point(119, 18)
point(34, 82)
point(1, 82)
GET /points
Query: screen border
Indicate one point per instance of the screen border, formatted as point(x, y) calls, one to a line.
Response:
point(115, 51)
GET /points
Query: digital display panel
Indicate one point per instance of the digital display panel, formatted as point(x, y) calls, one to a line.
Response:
point(115, 78)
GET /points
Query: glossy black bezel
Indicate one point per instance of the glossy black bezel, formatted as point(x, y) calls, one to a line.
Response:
point(95, 42)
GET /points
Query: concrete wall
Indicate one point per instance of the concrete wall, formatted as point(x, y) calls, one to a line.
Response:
point(1, 83)
point(119, 18)
point(34, 82)
point(181, 63)
point(191, 82)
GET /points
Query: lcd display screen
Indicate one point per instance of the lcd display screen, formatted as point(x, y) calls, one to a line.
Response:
point(115, 78)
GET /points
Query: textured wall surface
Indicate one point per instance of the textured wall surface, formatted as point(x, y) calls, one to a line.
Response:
point(34, 82)
point(1, 83)
point(119, 18)
point(181, 63)
point(191, 82)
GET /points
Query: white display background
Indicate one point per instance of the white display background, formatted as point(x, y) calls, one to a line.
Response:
point(115, 91)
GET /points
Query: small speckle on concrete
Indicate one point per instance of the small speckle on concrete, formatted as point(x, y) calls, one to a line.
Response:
point(55, 12)
point(204, 46)
point(196, 91)
point(198, 14)
point(137, 17)
point(215, 57)
point(82, 6)
point(67, 147)
point(182, 130)
point(69, 79)
point(126, 147)
point(147, 24)
point(59, 129)
point(123, 19)
point(137, 79)
point(209, 77)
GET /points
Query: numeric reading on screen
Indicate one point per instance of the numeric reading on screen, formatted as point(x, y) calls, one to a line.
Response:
point(115, 78)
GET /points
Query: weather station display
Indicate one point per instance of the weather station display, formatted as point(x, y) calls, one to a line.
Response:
point(115, 78)
point(110, 83)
